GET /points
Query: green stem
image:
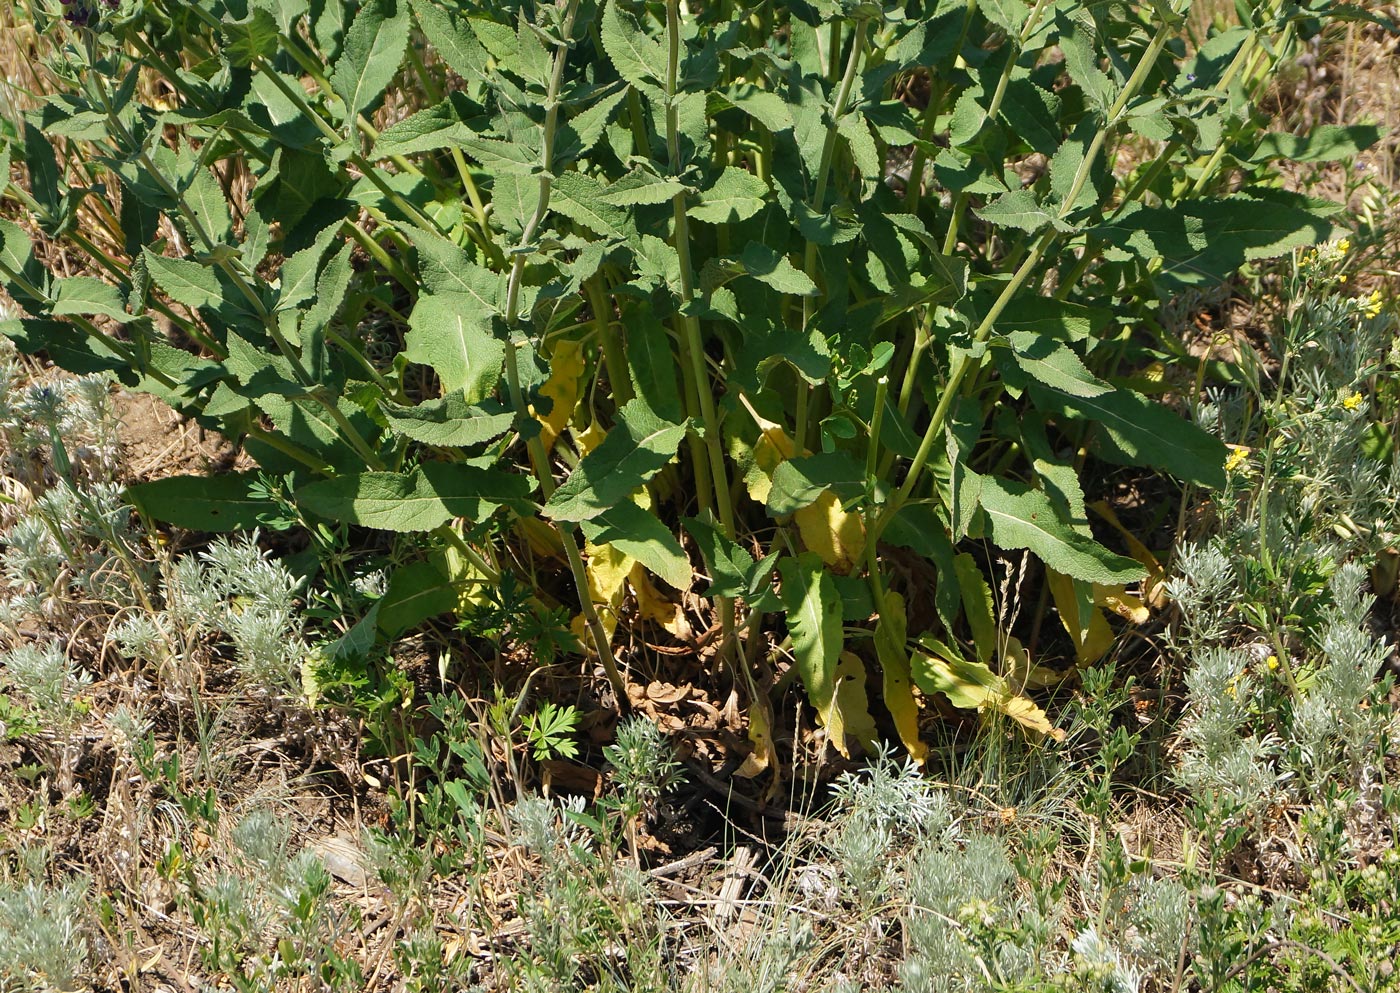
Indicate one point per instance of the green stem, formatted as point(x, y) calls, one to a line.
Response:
point(292, 451)
point(613, 357)
point(838, 110)
point(877, 420)
point(950, 240)
point(692, 346)
point(539, 458)
point(915, 190)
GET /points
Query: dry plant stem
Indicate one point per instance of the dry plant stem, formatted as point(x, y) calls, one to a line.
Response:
point(539, 458)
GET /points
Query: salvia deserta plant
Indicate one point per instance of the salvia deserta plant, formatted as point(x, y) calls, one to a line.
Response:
point(641, 288)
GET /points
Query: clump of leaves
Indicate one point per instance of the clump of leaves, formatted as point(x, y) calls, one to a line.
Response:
point(808, 281)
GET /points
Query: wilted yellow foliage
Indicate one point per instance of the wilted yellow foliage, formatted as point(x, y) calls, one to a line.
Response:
point(566, 368)
point(833, 533)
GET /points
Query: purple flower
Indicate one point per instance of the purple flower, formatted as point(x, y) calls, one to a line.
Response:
point(78, 13)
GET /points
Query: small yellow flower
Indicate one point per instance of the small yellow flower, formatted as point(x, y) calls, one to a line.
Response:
point(1271, 663)
point(1342, 278)
point(1372, 306)
point(1343, 246)
point(1230, 691)
point(1353, 402)
point(1238, 457)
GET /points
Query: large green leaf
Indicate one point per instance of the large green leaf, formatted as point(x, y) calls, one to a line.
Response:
point(204, 503)
point(637, 58)
point(651, 365)
point(448, 422)
point(1024, 518)
point(439, 126)
point(452, 333)
point(67, 346)
point(731, 568)
point(581, 132)
point(799, 482)
point(88, 295)
point(450, 35)
point(636, 449)
point(580, 198)
point(374, 45)
point(1204, 241)
point(1324, 143)
point(446, 268)
point(814, 621)
point(416, 592)
point(1133, 430)
point(640, 534)
point(735, 195)
point(1050, 362)
point(185, 281)
point(420, 500)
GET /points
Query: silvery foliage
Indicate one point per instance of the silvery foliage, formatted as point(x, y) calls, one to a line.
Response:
point(43, 945)
point(886, 806)
point(61, 551)
point(1205, 592)
point(1102, 967)
point(1334, 730)
point(48, 679)
point(1224, 755)
point(958, 886)
point(78, 411)
point(231, 591)
point(1161, 924)
point(1248, 757)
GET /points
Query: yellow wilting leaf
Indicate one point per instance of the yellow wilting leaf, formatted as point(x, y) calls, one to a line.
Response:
point(590, 437)
point(974, 686)
point(1021, 673)
point(1088, 647)
point(761, 737)
point(774, 447)
point(1122, 603)
point(1099, 639)
point(834, 534)
point(655, 607)
point(891, 634)
point(542, 537)
point(607, 570)
point(847, 713)
point(566, 368)
point(463, 574)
